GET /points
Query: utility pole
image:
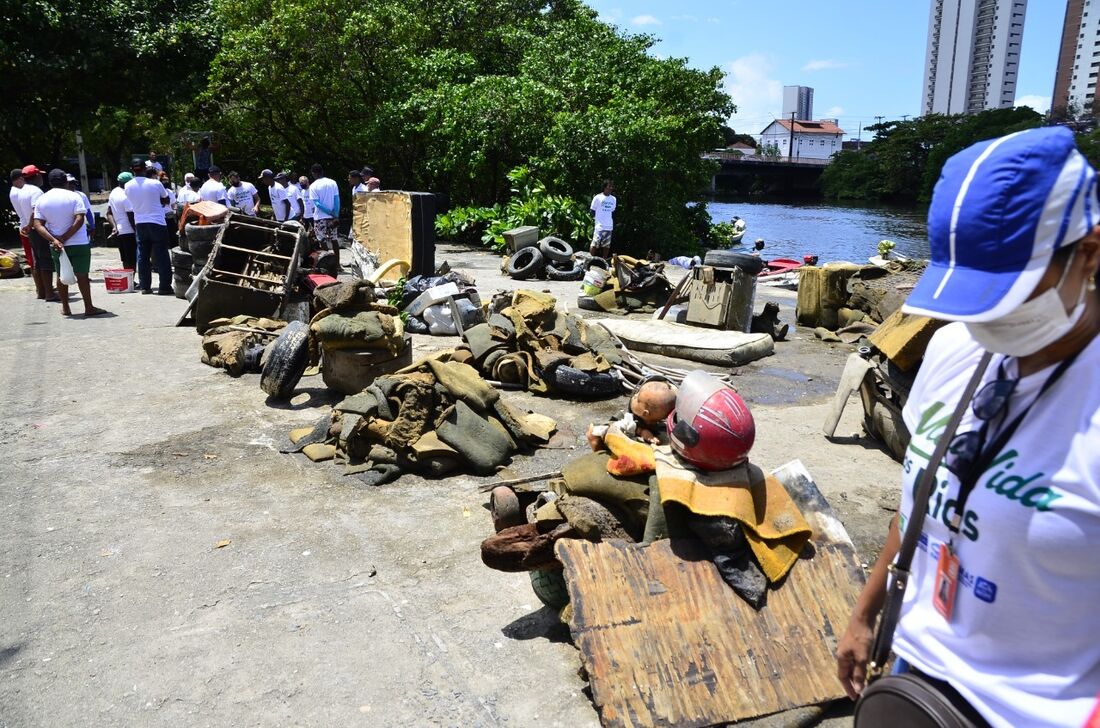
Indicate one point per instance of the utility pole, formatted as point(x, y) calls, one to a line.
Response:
point(790, 149)
point(905, 117)
point(859, 137)
point(83, 165)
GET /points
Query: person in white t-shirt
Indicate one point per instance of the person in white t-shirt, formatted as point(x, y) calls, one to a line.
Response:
point(59, 219)
point(89, 218)
point(293, 194)
point(23, 207)
point(1000, 607)
point(355, 182)
point(42, 270)
point(213, 190)
point(243, 195)
point(120, 213)
point(325, 195)
point(307, 204)
point(188, 194)
point(276, 193)
point(603, 209)
point(148, 197)
point(154, 163)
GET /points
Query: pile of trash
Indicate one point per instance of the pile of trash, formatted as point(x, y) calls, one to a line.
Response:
point(550, 258)
point(529, 344)
point(631, 285)
point(10, 264)
point(237, 344)
point(441, 305)
point(435, 417)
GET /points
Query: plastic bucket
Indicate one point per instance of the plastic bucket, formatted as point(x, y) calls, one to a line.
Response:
point(118, 280)
point(594, 280)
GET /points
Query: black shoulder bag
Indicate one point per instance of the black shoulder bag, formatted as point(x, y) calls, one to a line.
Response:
point(907, 700)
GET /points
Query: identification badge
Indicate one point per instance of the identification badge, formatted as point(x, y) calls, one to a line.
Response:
point(947, 582)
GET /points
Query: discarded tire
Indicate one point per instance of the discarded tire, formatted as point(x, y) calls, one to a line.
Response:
point(588, 384)
point(549, 587)
point(200, 240)
point(587, 303)
point(286, 361)
point(751, 264)
point(181, 260)
point(180, 287)
point(595, 261)
point(556, 250)
point(554, 273)
point(525, 264)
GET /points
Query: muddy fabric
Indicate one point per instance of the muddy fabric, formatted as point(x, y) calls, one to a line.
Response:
point(593, 520)
point(774, 527)
point(227, 351)
point(523, 548)
point(319, 452)
point(732, 555)
point(345, 294)
point(365, 404)
point(481, 341)
point(631, 457)
point(588, 476)
point(364, 330)
point(380, 475)
point(320, 433)
point(589, 362)
point(502, 327)
point(482, 445)
point(465, 384)
point(416, 397)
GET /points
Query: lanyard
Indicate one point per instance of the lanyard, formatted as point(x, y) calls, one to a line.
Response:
point(988, 452)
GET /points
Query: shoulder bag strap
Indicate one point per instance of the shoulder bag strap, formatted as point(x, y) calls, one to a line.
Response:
point(884, 637)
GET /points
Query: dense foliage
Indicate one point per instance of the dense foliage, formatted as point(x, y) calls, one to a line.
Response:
point(121, 71)
point(450, 96)
point(530, 204)
point(904, 159)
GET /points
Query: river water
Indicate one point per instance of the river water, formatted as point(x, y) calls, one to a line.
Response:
point(832, 231)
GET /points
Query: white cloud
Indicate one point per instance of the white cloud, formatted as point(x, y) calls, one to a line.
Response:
point(825, 64)
point(1039, 103)
point(759, 97)
point(834, 112)
point(714, 20)
point(644, 20)
point(685, 18)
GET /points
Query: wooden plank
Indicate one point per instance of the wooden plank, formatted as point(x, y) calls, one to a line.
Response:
point(666, 642)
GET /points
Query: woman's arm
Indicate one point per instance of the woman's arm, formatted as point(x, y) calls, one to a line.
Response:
point(854, 649)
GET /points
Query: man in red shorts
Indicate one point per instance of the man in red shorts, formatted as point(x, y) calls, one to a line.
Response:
point(37, 250)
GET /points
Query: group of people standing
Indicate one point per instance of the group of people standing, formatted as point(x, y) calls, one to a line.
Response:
point(53, 223)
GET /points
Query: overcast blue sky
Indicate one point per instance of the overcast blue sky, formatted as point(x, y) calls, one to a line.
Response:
point(863, 58)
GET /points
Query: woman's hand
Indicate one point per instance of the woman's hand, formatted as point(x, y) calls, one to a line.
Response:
point(852, 653)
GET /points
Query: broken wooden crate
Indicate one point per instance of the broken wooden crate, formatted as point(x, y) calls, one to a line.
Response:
point(666, 642)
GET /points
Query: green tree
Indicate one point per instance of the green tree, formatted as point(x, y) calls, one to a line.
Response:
point(110, 68)
point(451, 96)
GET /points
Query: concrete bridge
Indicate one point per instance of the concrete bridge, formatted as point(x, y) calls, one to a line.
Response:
point(756, 175)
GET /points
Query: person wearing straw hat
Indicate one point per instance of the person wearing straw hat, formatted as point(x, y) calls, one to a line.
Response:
point(998, 613)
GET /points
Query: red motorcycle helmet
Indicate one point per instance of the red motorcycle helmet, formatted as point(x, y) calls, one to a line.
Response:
point(711, 427)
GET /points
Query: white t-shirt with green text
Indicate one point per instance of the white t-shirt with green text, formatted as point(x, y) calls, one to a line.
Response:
point(604, 207)
point(1023, 645)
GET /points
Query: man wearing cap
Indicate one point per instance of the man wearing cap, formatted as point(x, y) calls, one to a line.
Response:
point(120, 213)
point(59, 219)
point(17, 182)
point(89, 217)
point(243, 195)
point(42, 267)
point(213, 190)
point(999, 613)
point(373, 184)
point(147, 197)
point(280, 206)
point(324, 193)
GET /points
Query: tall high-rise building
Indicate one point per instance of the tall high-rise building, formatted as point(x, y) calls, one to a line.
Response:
point(798, 100)
point(1078, 59)
point(973, 55)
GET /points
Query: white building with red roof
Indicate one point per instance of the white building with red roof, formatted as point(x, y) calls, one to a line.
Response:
point(808, 140)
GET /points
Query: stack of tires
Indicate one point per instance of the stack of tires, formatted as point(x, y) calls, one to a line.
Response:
point(550, 258)
point(190, 257)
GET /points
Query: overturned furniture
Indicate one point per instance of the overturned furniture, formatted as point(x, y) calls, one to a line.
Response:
point(717, 348)
point(397, 225)
point(251, 270)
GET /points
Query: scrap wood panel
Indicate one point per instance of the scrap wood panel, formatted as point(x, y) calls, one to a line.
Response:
point(667, 643)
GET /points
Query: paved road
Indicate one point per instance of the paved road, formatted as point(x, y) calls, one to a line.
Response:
point(126, 462)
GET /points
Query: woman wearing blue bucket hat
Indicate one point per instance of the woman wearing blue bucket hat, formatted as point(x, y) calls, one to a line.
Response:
point(988, 587)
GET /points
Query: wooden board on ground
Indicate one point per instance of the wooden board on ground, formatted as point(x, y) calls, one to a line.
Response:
point(666, 642)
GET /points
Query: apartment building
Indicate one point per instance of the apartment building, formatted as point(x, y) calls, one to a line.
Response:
point(1078, 59)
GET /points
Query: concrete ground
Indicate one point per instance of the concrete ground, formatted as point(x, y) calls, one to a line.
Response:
point(163, 565)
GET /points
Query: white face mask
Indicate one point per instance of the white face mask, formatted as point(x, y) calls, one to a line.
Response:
point(1033, 326)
